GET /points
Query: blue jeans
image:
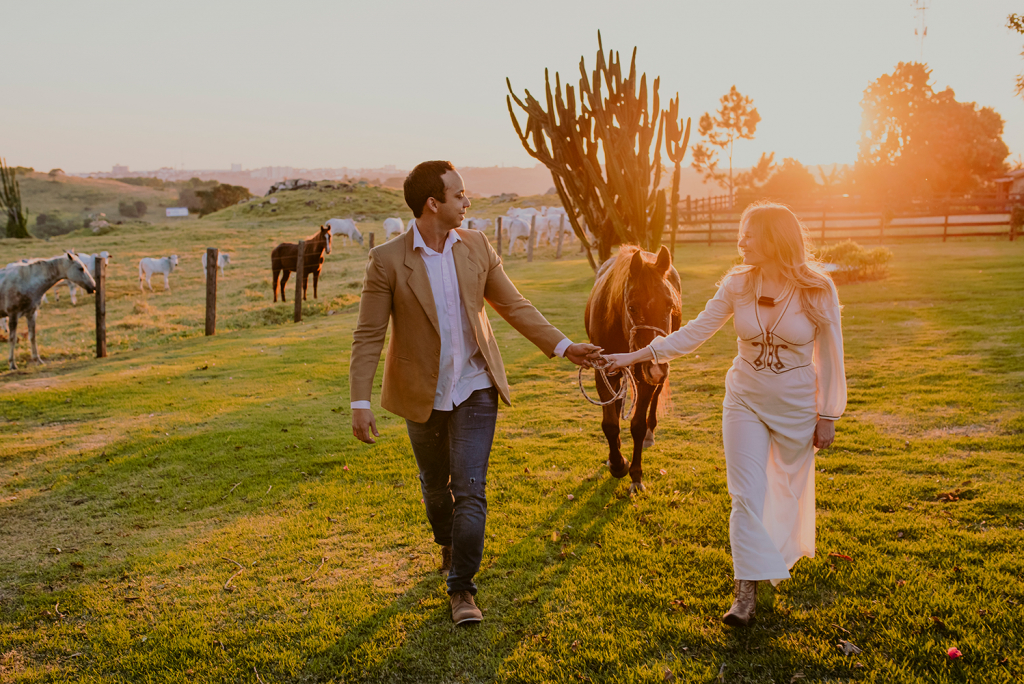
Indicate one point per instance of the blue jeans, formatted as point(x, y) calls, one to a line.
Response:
point(452, 449)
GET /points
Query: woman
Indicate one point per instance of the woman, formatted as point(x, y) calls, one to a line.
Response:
point(783, 393)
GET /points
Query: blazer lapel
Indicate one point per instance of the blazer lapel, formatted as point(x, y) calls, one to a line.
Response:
point(419, 282)
point(468, 274)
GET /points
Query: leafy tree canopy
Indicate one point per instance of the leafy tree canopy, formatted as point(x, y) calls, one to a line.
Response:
point(736, 119)
point(917, 142)
point(1016, 22)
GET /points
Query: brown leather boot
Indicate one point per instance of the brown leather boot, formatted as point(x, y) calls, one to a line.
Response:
point(464, 610)
point(741, 614)
point(446, 560)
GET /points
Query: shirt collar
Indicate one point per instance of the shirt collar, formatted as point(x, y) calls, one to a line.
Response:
point(418, 243)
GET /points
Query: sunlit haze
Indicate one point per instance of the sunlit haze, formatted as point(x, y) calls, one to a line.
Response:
point(201, 85)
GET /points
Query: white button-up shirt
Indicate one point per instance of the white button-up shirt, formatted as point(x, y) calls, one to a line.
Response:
point(462, 368)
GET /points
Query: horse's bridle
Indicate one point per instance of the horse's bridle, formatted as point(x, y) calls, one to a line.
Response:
point(633, 328)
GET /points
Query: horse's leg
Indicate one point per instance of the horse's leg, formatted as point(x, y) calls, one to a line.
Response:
point(652, 416)
point(12, 332)
point(638, 430)
point(277, 273)
point(610, 423)
point(284, 280)
point(305, 285)
point(316, 279)
point(31, 320)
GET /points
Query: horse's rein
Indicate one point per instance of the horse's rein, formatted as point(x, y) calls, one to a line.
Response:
point(630, 383)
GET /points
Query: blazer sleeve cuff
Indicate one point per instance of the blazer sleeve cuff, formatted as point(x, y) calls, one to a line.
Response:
point(360, 405)
point(562, 346)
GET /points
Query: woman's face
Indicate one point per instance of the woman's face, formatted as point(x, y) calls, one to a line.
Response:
point(750, 247)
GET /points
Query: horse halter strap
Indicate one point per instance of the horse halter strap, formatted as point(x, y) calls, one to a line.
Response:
point(633, 327)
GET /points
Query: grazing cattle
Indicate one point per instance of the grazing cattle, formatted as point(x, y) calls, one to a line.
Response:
point(284, 259)
point(344, 228)
point(393, 226)
point(223, 259)
point(90, 263)
point(475, 223)
point(515, 228)
point(22, 286)
point(636, 297)
point(148, 266)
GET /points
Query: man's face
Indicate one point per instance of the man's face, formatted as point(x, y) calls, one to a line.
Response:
point(453, 210)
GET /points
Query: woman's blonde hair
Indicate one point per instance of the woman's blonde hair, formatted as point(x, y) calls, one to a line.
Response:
point(782, 239)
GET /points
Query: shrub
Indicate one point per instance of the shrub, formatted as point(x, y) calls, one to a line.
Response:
point(1016, 220)
point(851, 263)
point(55, 223)
point(220, 197)
point(143, 182)
point(129, 209)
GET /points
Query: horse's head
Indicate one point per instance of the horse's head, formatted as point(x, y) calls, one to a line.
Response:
point(650, 306)
point(325, 234)
point(77, 273)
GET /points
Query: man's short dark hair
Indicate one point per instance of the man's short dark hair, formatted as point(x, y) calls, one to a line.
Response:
point(425, 182)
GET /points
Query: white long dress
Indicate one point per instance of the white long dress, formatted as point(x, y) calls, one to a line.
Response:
point(786, 374)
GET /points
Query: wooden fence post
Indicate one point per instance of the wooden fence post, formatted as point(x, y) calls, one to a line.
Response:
point(945, 225)
point(497, 231)
point(212, 255)
point(529, 240)
point(823, 213)
point(561, 233)
point(300, 267)
point(372, 238)
point(100, 274)
point(711, 222)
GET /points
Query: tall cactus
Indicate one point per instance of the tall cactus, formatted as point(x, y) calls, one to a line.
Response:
point(10, 203)
point(605, 159)
point(677, 138)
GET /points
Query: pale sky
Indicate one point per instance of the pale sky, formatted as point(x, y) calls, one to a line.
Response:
point(202, 84)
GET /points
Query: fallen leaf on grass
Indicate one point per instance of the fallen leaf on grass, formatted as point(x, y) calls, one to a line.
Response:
point(841, 556)
point(668, 675)
point(938, 622)
point(847, 647)
point(953, 653)
point(796, 676)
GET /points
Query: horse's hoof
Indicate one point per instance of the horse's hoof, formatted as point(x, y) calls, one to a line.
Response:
point(636, 488)
point(649, 440)
point(618, 474)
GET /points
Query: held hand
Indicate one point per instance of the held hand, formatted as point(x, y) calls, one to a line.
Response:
point(363, 423)
point(824, 433)
point(585, 355)
point(616, 362)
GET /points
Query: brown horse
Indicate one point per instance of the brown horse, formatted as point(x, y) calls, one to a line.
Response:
point(283, 260)
point(636, 297)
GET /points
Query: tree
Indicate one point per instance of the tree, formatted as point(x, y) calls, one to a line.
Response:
point(219, 197)
point(736, 119)
point(791, 182)
point(916, 142)
point(605, 159)
point(1016, 22)
point(10, 203)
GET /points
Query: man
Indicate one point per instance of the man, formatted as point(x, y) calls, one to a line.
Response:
point(443, 372)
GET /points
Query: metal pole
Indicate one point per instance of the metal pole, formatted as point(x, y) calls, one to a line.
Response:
point(529, 240)
point(212, 255)
point(300, 274)
point(100, 274)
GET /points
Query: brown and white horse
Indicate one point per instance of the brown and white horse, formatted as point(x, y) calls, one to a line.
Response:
point(283, 260)
point(636, 297)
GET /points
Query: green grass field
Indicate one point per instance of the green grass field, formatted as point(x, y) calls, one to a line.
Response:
point(195, 510)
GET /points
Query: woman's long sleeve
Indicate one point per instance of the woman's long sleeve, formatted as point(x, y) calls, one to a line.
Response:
point(716, 313)
point(828, 364)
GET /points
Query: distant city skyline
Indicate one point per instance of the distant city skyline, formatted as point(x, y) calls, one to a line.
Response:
point(340, 84)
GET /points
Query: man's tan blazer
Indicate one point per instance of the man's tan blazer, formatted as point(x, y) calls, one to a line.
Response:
point(396, 287)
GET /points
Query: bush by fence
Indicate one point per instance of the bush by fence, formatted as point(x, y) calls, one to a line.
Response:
point(54, 223)
point(129, 209)
point(851, 263)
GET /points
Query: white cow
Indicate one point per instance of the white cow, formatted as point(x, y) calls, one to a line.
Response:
point(90, 263)
point(514, 229)
point(223, 259)
point(22, 286)
point(344, 228)
point(475, 223)
point(393, 226)
point(148, 266)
